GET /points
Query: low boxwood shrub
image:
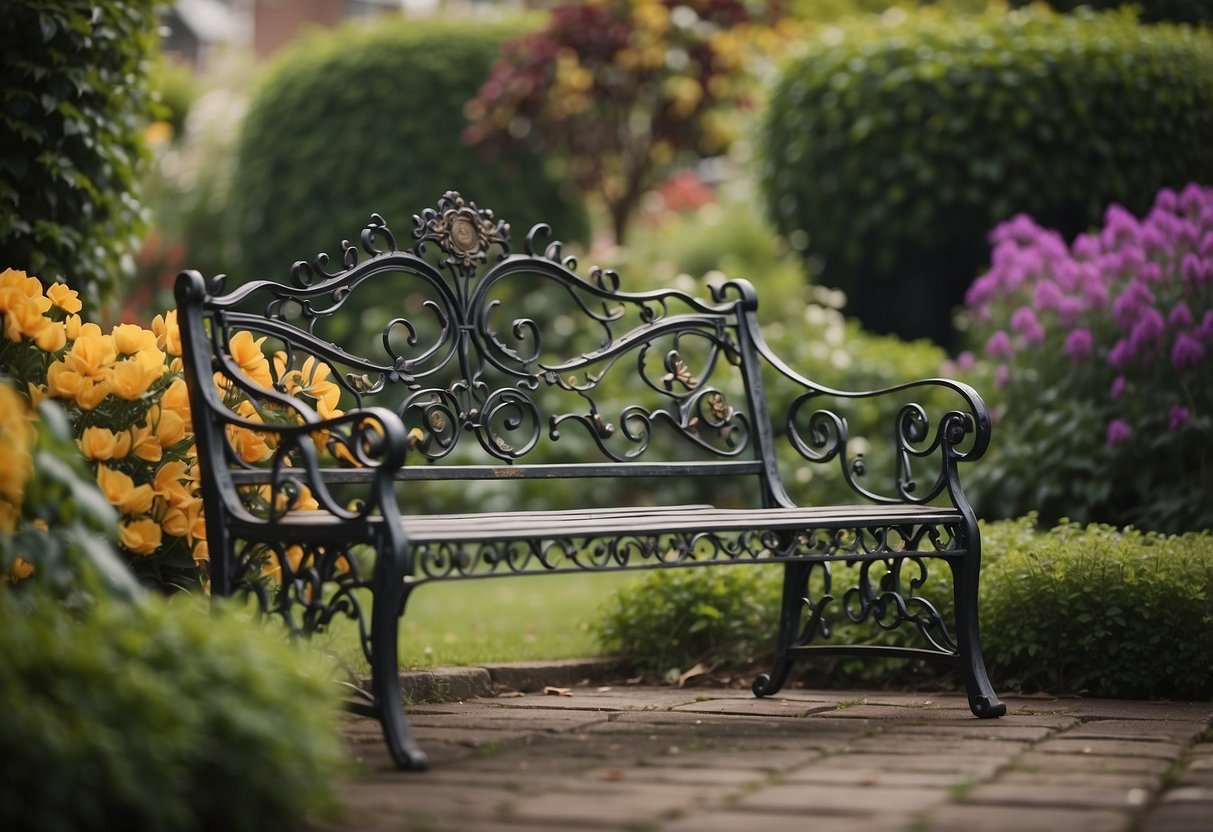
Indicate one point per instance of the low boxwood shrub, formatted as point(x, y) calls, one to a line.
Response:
point(159, 716)
point(1099, 611)
point(895, 145)
point(1071, 609)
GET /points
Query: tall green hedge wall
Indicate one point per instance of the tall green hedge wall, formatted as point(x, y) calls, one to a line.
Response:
point(359, 120)
point(897, 146)
point(73, 81)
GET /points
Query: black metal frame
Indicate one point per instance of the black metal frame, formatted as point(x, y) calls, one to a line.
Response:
point(469, 380)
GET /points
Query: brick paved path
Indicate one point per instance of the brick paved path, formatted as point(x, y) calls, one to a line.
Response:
point(643, 758)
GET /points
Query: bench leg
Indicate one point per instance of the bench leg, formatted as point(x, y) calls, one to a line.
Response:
point(794, 577)
point(385, 669)
point(983, 701)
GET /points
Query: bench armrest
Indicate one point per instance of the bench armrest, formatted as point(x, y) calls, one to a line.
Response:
point(928, 441)
point(370, 443)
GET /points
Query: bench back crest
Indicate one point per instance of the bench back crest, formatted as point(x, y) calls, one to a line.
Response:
point(508, 361)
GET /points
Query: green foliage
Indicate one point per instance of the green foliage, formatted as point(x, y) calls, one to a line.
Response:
point(159, 717)
point(75, 103)
point(669, 620)
point(1124, 614)
point(896, 144)
point(174, 89)
point(1151, 11)
point(356, 121)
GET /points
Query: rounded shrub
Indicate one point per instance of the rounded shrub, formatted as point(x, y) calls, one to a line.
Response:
point(359, 121)
point(159, 717)
point(895, 145)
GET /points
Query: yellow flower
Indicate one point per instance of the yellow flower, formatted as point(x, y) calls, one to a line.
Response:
point(52, 338)
point(122, 492)
point(64, 297)
point(176, 522)
point(130, 378)
point(176, 399)
point(131, 338)
point(311, 380)
point(20, 570)
point(202, 556)
point(145, 444)
point(168, 336)
point(246, 352)
point(170, 427)
point(100, 444)
point(16, 286)
point(249, 446)
point(91, 354)
point(141, 536)
point(23, 318)
point(17, 435)
point(63, 383)
point(168, 483)
point(92, 394)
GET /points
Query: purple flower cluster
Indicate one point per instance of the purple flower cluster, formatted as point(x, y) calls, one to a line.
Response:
point(1127, 309)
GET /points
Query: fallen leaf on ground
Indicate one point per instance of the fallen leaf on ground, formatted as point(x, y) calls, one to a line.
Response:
point(698, 670)
point(555, 691)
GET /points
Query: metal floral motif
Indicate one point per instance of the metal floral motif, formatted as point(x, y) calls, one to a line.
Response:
point(462, 230)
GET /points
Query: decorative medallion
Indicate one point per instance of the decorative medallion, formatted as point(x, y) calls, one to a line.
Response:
point(463, 231)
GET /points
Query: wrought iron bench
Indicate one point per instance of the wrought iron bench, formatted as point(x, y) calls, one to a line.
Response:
point(331, 411)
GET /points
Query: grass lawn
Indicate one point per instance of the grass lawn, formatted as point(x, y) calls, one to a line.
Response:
point(495, 620)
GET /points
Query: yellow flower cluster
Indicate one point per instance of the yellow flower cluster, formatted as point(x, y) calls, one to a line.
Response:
point(127, 401)
point(16, 464)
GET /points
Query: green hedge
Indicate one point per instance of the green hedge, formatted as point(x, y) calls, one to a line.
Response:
point(73, 82)
point(159, 717)
point(1071, 609)
point(360, 120)
point(897, 145)
point(1152, 11)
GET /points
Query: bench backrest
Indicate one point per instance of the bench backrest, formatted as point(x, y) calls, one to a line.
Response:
point(501, 364)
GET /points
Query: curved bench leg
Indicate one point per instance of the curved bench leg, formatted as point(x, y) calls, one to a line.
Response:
point(794, 577)
point(390, 596)
point(983, 701)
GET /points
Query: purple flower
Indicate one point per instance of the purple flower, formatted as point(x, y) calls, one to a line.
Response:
point(1166, 200)
point(1120, 354)
point(1206, 245)
point(1118, 388)
point(1205, 331)
point(966, 360)
point(1119, 226)
point(1024, 321)
point(1086, 247)
point(1128, 307)
point(1078, 345)
point(1002, 376)
point(1048, 295)
point(1177, 417)
point(1069, 310)
point(1148, 329)
point(1192, 198)
point(1181, 316)
point(999, 345)
point(1187, 351)
point(1192, 269)
point(1118, 432)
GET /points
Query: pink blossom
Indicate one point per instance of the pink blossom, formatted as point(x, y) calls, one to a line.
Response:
point(1166, 200)
point(1186, 351)
point(1192, 198)
point(1205, 331)
point(1192, 269)
point(966, 360)
point(1128, 307)
point(1177, 417)
point(1148, 329)
point(1119, 227)
point(1086, 247)
point(1118, 432)
point(1181, 316)
point(999, 345)
point(1024, 321)
point(1118, 388)
point(1120, 354)
point(1069, 310)
point(1078, 345)
point(1002, 376)
point(1048, 295)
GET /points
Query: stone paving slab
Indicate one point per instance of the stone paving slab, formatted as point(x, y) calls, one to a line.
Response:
point(674, 760)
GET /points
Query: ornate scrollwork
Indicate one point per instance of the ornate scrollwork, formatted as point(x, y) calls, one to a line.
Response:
point(463, 231)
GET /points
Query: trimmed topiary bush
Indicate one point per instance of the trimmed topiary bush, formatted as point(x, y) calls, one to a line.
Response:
point(896, 145)
point(73, 81)
point(358, 120)
point(159, 717)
